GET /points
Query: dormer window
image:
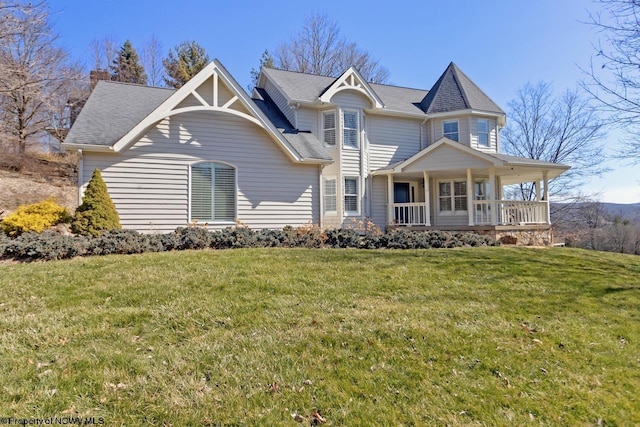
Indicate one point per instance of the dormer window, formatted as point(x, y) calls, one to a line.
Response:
point(350, 129)
point(483, 133)
point(329, 128)
point(450, 130)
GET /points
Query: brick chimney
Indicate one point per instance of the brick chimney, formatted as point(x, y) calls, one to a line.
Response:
point(96, 75)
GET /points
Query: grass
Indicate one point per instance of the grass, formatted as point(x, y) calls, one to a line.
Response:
point(489, 336)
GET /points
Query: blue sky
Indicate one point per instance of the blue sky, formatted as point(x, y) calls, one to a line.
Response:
point(500, 45)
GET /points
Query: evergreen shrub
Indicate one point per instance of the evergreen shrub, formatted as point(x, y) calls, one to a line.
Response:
point(35, 217)
point(97, 213)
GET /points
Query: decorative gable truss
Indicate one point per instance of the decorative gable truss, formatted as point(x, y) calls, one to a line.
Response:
point(351, 80)
point(212, 90)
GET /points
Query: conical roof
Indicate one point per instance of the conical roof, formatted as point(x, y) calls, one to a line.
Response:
point(455, 91)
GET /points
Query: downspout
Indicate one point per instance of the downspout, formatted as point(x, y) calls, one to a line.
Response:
point(80, 175)
point(321, 193)
point(365, 202)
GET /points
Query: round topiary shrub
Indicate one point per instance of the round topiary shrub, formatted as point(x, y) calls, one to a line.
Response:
point(97, 213)
point(35, 217)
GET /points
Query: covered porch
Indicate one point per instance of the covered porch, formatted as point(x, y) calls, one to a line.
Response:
point(452, 186)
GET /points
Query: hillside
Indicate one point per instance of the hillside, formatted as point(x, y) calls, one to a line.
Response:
point(458, 337)
point(31, 178)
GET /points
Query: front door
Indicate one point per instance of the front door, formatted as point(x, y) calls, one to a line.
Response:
point(401, 192)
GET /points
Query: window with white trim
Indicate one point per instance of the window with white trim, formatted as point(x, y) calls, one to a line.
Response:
point(213, 192)
point(452, 196)
point(330, 192)
point(329, 128)
point(350, 129)
point(450, 130)
point(483, 133)
point(351, 196)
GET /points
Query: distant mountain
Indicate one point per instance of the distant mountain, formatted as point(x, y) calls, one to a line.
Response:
point(578, 212)
point(631, 211)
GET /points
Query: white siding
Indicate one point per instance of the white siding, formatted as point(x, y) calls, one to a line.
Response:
point(351, 99)
point(308, 120)
point(149, 182)
point(351, 162)
point(444, 159)
point(280, 101)
point(391, 140)
point(379, 202)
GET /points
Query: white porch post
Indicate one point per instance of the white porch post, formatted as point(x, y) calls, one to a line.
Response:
point(470, 196)
point(390, 218)
point(493, 193)
point(427, 213)
point(538, 185)
point(545, 177)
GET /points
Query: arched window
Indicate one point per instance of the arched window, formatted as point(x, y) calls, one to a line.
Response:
point(213, 192)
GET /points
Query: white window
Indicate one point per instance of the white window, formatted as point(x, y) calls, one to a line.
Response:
point(330, 195)
point(351, 196)
point(213, 192)
point(483, 132)
point(450, 130)
point(329, 128)
point(452, 196)
point(350, 129)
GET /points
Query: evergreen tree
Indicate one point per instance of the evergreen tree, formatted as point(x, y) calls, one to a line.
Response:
point(126, 66)
point(97, 213)
point(183, 62)
point(266, 61)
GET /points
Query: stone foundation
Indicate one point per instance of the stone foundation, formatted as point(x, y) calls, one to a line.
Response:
point(521, 237)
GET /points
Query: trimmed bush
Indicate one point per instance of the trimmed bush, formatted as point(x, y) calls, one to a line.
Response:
point(36, 217)
point(97, 213)
point(50, 245)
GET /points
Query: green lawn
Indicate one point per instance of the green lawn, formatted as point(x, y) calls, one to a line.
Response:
point(482, 336)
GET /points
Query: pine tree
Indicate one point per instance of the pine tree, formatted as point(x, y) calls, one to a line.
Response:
point(97, 213)
point(183, 62)
point(266, 61)
point(126, 66)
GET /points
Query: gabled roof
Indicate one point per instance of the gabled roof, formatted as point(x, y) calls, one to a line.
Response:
point(305, 142)
point(307, 89)
point(491, 159)
point(112, 110)
point(455, 91)
point(115, 118)
point(351, 80)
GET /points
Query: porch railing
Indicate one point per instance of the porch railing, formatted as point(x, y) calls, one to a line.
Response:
point(409, 214)
point(508, 212)
point(514, 212)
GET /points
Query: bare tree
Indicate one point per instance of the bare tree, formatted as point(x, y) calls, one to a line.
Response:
point(103, 51)
point(35, 75)
point(564, 129)
point(614, 71)
point(152, 61)
point(319, 48)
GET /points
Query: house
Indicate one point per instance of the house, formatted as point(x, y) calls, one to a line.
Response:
point(308, 149)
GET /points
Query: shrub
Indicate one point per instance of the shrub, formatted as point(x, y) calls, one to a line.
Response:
point(97, 213)
point(36, 217)
point(46, 246)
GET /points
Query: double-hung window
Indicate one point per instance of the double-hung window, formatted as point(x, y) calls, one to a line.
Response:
point(452, 196)
point(450, 130)
point(350, 129)
point(483, 132)
point(329, 128)
point(330, 195)
point(351, 196)
point(213, 192)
